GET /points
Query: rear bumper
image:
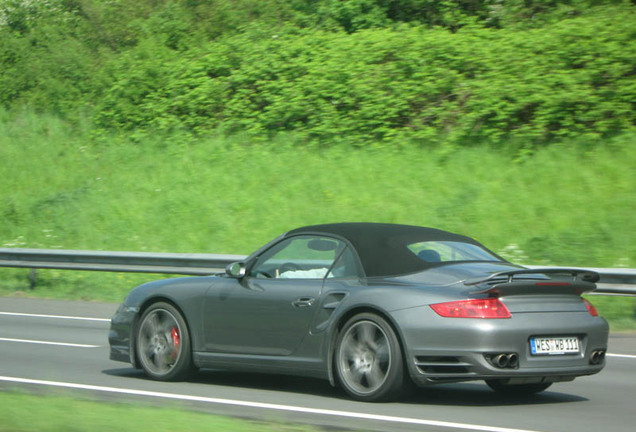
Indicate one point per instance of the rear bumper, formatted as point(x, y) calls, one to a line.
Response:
point(452, 349)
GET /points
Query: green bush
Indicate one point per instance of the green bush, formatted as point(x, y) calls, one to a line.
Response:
point(41, 65)
point(572, 79)
point(364, 72)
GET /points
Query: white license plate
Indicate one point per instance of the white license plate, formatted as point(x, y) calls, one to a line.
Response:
point(554, 345)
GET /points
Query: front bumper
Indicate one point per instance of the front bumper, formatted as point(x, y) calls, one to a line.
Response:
point(120, 335)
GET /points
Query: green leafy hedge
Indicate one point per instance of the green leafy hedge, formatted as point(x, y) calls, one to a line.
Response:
point(572, 78)
point(357, 71)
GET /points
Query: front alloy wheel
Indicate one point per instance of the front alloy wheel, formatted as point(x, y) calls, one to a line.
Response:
point(163, 343)
point(369, 359)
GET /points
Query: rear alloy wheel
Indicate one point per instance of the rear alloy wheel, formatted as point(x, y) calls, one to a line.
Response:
point(163, 343)
point(369, 363)
point(501, 386)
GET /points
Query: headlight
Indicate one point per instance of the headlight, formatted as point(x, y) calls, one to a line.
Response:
point(127, 309)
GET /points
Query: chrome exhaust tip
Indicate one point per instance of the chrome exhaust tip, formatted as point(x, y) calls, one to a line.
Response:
point(597, 357)
point(504, 360)
point(501, 361)
point(513, 361)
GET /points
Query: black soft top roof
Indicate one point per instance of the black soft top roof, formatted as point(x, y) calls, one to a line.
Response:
point(383, 248)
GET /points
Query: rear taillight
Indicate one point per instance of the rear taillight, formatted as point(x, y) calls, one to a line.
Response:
point(590, 308)
point(476, 308)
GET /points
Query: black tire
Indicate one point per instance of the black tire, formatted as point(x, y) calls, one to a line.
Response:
point(502, 386)
point(368, 359)
point(163, 343)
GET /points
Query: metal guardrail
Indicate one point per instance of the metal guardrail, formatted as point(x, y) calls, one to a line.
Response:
point(613, 281)
point(618, 281)
point(135, 262)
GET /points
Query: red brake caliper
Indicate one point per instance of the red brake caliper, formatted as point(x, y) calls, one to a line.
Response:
point(176, 341)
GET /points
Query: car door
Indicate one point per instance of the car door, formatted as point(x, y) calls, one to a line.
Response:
point(269, 311)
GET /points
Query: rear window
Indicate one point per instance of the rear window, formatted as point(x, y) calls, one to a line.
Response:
point(450, 251)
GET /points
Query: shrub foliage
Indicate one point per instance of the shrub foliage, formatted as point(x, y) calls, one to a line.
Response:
point(356, 71)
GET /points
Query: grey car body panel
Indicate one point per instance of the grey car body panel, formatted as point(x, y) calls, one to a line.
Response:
point(466, 341)
point(289, 326)
point(258, 316)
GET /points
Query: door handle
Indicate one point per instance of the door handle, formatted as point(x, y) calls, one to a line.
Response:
point(303, 302)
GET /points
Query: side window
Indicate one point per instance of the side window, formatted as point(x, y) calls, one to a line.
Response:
point(302, 257)
point(346, 266)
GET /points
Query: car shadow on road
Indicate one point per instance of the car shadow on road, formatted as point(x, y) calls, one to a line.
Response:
point(479, 394)
point(251, 380)
point(270, 382)
point(458, 394)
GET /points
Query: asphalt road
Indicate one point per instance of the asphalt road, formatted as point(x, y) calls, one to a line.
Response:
point(45, 348)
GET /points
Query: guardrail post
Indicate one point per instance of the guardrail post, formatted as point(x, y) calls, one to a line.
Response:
point(32, 278)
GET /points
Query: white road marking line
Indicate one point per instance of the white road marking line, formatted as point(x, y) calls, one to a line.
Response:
point(289, 408)
point(48, 343)
point(54, 316)
point(621, 355)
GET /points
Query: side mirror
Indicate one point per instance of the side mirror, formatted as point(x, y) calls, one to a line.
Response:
point(235, 270)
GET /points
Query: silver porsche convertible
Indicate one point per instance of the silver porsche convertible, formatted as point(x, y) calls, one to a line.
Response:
point(373, 308)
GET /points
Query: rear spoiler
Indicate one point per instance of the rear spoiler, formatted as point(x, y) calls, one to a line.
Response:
point(577, 280)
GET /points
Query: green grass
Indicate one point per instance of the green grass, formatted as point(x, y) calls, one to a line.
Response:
point(620, 312)
point(61, 413)
point(570, 205)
